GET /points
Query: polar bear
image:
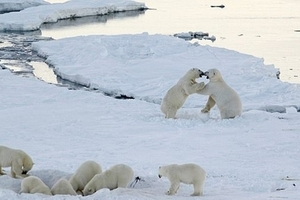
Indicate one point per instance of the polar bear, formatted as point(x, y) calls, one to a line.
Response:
point(33, 184)
point(84, 174)
point(186, 173)
point(117, 176)
point(63, 186)
point(19, 161)
point(227, 100)
point(176, 96)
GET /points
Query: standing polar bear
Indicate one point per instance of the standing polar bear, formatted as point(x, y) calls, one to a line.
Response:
point(117, 176)
point(186, 173)
point(33, 184)
point(19, 161)
point(227, 100)
point(63, 186)
point(177, 95)
point(84, 174)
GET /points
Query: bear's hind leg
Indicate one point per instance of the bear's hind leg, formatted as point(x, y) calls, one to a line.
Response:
point(210, 103)
point(198, 189)
point(1, 173)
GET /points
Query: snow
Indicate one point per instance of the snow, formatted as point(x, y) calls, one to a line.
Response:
point(254, 156)
point(30, 19)
point(17, 5)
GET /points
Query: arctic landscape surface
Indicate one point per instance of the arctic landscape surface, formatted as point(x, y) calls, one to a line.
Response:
point(254, 156)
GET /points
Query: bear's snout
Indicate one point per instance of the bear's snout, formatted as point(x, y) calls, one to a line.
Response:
point(24, 172)
point(159, 176)
point(201, 73)
point(206, 74)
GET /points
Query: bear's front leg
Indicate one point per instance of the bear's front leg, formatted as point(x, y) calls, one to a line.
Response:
point(200, 86)
point(210, 103)
point(174, 187)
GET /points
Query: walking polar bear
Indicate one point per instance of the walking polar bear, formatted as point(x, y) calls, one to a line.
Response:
point(227, 100)
point(117, 176)
point(19, 161)
point(186, 173)
point(63, 186)
point(33, 184)
point(84, 174)
point(177, 95)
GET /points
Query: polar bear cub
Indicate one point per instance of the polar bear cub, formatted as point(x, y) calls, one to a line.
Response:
point(63, 186)
point(186, 173)
point(117, 176)
point(84, 174)
point(19, 161)
point(227, 100)
point(33, 184)
point(177, 95)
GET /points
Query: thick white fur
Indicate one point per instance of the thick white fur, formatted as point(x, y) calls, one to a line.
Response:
point(177, 95)
point(227, 100)
point(186, 173)
point(117, 176)
point(19, 161)
point(33, 184)
point(84, 174)
point(63, 186)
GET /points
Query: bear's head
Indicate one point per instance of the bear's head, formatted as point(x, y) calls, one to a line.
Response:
point(194, 73)
point(162, 171)
point(88, 190)
point(213, 75)
point(27, 165)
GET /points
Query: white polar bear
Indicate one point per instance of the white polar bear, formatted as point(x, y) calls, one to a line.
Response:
point(186, 173)
point(19, 161)
point(84, 174)
point(227, 100)
point(63, 186)
point(117, 176)
point(176, 96)
point(33, 184)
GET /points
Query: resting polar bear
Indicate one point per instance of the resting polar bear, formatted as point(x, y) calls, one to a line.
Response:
point(19, 161)
point(33, 184)
point(186, 173)
point(176, 96)
point(117, 176)
point(227, 100)
point(84, 174)
point(63, 186)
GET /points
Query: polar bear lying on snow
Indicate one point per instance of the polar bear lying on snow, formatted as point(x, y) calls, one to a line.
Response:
point(186, 173)
point(19, 161)
point(63, 186)
point(176, 96)
point(33, 184)
point(227, 100)
point(84, 174)
point(117, 176)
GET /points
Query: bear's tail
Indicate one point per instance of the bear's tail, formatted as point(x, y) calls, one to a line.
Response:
point(135, 181)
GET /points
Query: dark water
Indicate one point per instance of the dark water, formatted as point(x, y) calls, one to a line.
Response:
point(269, 29)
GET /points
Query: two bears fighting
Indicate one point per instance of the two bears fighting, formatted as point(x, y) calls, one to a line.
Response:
point(227, 100)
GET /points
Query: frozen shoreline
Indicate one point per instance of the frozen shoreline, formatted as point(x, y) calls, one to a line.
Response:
point(32, 18)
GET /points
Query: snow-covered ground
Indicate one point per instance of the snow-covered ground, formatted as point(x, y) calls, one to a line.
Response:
point(245, 158)
point(249, 157)
point(30, 19)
